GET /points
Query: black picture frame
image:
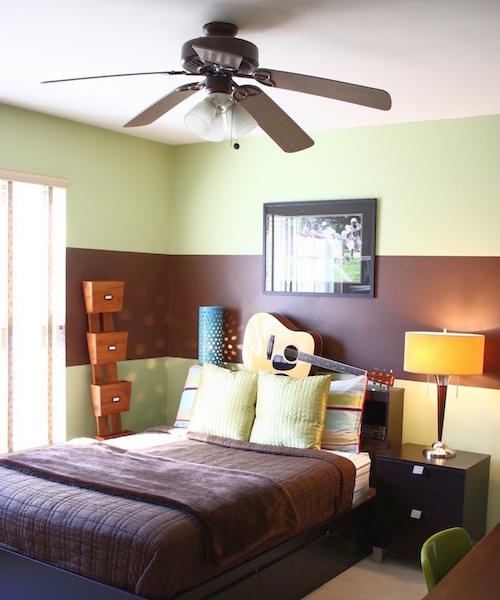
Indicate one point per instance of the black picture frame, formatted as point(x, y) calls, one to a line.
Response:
point(320, 247)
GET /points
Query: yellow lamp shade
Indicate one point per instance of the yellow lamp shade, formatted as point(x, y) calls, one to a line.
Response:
point(443, 353)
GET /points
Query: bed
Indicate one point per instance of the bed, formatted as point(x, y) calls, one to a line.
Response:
point(181, 512)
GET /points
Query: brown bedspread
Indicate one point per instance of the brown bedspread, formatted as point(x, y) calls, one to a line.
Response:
point(236, 510)
point(134, 537)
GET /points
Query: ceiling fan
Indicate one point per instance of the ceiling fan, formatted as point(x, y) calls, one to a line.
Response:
point(220, 57)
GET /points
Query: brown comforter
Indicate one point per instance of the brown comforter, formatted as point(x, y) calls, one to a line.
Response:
point(160, 521)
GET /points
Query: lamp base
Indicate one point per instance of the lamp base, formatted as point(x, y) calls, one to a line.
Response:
point(439, 450)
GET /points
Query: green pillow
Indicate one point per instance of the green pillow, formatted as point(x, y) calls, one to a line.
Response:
point(290, 411)
point(224, 404)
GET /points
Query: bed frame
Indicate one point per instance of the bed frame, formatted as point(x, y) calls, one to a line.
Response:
point(290, 571)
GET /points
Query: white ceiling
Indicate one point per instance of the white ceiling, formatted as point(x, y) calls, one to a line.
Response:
point(437, 58)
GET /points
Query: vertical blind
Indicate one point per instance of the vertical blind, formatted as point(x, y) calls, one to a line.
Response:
point(32, 310)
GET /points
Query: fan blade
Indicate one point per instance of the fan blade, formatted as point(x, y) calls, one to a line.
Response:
point(272, 119)
point(118, 75)
point(218, 57)
point(163, 105)
point(328, 88)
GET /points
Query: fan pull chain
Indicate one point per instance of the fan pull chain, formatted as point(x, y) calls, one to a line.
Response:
point(234, 143)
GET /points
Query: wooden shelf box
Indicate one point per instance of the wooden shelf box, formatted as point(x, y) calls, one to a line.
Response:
point(107, 346)
point(111, 398)
point(103, 296)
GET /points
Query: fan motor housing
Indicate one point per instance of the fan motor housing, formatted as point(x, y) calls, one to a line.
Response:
point(219, 83)
point(227, 43)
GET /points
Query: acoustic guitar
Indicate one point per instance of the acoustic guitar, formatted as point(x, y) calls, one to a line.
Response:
point(271, 342)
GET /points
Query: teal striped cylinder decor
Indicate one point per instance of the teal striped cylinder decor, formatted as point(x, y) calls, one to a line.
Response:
point(210, 335)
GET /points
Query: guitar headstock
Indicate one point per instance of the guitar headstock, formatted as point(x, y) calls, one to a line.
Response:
point(381, 377)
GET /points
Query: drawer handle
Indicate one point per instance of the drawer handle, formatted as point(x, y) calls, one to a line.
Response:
point(108, 297)
point(111, 348)
point(115, 399)
point(418, 470)
point(415, 513)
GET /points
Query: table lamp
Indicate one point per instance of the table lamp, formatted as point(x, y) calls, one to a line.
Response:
point(443, 354)
point(210, 335)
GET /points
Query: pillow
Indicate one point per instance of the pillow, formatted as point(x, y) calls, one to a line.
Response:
point(290, 411)
point(346, 399)
point(187, 396)
point(224, 404)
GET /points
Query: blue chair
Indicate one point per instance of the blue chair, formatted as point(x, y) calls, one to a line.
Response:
point(441, 552)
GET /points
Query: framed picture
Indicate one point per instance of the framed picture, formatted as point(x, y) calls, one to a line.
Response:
point(320, 247)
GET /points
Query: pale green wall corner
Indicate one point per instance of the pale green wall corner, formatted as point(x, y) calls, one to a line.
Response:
point(157, 385)
point(119, 189)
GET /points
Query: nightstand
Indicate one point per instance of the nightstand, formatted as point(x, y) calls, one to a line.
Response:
point(417, 497)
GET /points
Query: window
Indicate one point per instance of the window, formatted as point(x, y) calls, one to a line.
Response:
point(32, 310)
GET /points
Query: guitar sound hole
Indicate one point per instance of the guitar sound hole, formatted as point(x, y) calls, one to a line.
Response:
point(291, 353)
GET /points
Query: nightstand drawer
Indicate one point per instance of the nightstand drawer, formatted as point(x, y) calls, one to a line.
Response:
point(431, 487)
point(405, 530)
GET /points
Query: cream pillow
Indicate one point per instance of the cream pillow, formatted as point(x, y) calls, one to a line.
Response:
point(224, 404)
point(290, 411)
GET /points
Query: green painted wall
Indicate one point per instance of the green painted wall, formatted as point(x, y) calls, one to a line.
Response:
point(153, 380)
point(437, 184)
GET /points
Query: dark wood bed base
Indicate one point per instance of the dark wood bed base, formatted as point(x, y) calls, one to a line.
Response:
point(289, 571)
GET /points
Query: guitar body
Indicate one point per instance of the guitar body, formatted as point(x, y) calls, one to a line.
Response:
point(275, 345)
point(269, 339)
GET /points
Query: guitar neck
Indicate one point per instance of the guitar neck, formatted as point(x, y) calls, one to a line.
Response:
point(331, 365)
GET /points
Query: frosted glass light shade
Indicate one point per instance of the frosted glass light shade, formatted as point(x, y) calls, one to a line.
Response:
point(201, 117)
point(444, 353)
point(216, 133)
point(240, 122)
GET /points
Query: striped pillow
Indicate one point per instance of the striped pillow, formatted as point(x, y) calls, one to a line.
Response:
point(346, 400)
point(187, 397)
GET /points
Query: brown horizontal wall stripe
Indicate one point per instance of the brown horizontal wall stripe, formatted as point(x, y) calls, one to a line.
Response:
point(163, 293)
point(145, 305)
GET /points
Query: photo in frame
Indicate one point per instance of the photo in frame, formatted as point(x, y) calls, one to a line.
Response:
point(320, 247)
